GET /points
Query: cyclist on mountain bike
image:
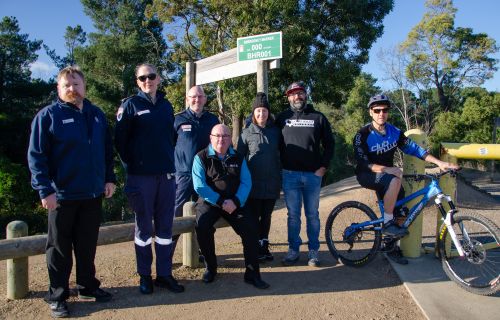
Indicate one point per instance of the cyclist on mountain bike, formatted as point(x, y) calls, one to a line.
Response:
point(374, 148)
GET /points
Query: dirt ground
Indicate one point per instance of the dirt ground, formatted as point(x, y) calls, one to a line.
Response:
point(299, 292)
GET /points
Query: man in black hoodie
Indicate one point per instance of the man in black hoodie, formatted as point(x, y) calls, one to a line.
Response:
point(304, 131)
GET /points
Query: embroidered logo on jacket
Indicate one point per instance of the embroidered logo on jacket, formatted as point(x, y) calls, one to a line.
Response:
point(299, 123)
point(186, 127)
point(383, 147)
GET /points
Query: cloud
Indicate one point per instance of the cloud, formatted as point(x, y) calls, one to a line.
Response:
point(43, 70)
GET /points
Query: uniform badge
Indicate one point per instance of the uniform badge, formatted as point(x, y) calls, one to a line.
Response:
point(186, 127)
point(119, 113)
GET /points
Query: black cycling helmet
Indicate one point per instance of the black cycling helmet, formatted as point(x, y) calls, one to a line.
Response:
point(379, 99)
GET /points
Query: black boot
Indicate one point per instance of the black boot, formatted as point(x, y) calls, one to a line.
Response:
point(264, 253)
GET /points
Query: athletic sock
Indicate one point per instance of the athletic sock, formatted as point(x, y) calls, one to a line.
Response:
point(388, 217)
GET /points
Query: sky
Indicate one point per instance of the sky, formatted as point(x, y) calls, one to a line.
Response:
point(47, 20)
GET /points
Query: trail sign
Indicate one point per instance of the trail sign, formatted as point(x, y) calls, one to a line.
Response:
point(260, 47)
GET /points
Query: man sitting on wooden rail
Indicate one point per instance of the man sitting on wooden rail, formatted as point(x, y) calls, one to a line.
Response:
point(222, 180)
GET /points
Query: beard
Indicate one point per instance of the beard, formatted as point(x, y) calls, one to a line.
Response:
point(74, 98)
point(298, 105)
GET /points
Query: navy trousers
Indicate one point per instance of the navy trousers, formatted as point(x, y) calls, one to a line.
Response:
point(152, 199)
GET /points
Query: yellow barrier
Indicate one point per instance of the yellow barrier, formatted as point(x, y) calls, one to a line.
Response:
point(471, 150)
point(410, 245)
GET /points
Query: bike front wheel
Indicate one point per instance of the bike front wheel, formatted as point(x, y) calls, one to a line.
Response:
point(478, 271)
point(354, 248)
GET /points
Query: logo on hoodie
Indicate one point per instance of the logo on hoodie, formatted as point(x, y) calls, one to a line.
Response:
point(299, 123)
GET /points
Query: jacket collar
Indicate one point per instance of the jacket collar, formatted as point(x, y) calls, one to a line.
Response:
point(159, 95)
point(86, 105)
point(211, 151)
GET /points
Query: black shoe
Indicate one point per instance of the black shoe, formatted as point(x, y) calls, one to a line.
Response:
point(264, 253)
point(59, 309)
point(146, 285)
point(170, 283)
point(396, 255)
point(257, 282)
point(98, 295)
point(209, 276)
point(392, 229)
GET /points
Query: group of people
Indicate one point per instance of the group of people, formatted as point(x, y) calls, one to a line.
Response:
point(171, 159)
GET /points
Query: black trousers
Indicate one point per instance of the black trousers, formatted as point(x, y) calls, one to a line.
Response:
point(242, 222)
point(262, 210)
point(72, 225)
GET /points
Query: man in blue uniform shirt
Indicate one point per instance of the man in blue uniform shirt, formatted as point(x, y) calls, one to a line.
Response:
point(144, 138)
point(192, 127)
point(222, 180)
point(374, 148)
point(70, 157)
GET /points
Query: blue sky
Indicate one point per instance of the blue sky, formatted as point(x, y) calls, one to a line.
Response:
point(47, 20)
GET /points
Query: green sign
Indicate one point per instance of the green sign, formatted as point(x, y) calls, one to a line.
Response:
point(260, 47)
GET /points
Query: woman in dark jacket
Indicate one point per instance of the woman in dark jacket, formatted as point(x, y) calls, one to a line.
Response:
point(259, 143)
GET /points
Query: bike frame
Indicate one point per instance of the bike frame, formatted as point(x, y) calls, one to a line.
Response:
point(428, 192)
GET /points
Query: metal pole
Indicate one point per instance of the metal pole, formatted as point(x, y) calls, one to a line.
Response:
point(411, 244)
point(17, 269)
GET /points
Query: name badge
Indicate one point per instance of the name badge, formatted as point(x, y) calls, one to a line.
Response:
point(140, 113)
point(68, 120)
point(186, 127)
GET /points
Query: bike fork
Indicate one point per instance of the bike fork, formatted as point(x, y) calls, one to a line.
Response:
point(448, 221)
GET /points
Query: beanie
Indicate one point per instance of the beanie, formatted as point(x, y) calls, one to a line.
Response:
point(260, 101)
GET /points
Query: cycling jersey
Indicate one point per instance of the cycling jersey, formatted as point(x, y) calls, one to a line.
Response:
point(372, 147)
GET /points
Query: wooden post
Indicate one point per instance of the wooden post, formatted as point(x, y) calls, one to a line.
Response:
point(262, 76)
point(17, 269)
point(190, 255)
point(410, 245)
point(190, 75)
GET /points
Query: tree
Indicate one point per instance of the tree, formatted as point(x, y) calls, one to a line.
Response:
point(16, 55)
point(325, 43)
point(73, 38)
point(125, 37)
point(447, 57)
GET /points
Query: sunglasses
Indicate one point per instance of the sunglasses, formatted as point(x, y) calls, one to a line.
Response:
point(150, 76)
point(377, 111)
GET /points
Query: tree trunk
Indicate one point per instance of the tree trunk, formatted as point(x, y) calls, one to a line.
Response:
point(443, 100)
point(236, 120)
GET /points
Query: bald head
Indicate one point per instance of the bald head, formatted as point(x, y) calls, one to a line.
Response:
point(220, 139)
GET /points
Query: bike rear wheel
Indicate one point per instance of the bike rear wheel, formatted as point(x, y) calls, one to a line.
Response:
point(362, 246)
point(477, 272)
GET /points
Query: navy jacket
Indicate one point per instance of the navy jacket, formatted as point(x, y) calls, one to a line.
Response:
point(192, 135)
point(144, 135)
point(70, 151)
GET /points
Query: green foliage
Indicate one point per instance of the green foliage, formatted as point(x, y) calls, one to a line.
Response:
point(473, 123)
point(17, 200)
point(324, 43)
point(447, 57)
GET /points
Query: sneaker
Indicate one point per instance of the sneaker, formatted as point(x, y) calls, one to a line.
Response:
point(170, 283)
point(291, 257)
point(59, 309)
point(264, 253)
point(392, 229)
point(396, 255)
point(313, 258)
point(98, 295)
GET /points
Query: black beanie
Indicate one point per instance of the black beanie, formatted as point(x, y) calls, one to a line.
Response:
point(260, 101)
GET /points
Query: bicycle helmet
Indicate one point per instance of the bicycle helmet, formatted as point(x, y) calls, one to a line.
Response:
point(295, 86)
point(379, 99)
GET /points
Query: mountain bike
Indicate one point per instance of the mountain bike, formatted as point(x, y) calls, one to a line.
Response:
point(469, 243)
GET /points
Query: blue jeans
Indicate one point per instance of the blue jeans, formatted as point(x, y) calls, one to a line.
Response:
point(298, 185)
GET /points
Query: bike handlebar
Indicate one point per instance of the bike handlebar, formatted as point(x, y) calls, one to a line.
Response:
point(433, 176)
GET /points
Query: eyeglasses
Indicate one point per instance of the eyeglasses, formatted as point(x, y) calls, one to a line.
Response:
point(223, 136)
point(377, 111)
point(196, 97)
point(150, 76)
